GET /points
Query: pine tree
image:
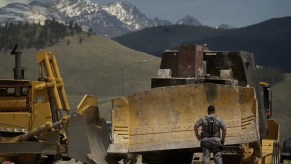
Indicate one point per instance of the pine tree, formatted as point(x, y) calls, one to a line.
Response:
point(77, 28)
point(28, 35)
point(68, 41)
point(90, 31)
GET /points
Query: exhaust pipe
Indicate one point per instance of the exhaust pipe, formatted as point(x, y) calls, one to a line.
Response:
point(18, 71)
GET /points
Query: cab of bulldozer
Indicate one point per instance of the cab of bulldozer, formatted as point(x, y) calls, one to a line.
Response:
point(14, 107)
point(194, 64)
point(22, 108)
point(14, 95)
point(25, 104)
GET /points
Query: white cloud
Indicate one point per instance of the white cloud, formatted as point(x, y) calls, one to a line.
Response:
point(5, 2)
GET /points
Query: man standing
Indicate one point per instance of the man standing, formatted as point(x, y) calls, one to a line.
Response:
point(210, 136)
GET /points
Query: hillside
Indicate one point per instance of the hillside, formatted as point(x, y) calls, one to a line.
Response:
point(282, 104)
point(93, 67)
point(268, 40)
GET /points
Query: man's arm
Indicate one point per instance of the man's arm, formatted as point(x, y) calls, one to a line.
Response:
point(224, 131)
point(196, 127)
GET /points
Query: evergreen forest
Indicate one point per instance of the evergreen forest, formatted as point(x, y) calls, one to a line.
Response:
point(27, 35)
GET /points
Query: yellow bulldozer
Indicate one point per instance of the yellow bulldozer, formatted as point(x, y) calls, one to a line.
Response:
point(31, 112)
point(35, 123)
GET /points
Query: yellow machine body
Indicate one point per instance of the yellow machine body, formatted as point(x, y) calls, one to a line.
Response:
point(271, 144)
point(15, 114)
point(32, 110)
point(32, 107)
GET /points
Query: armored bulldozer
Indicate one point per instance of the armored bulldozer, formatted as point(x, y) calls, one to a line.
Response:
point(158, 123)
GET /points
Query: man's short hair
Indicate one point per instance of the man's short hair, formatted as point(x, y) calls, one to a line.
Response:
point(211, 109)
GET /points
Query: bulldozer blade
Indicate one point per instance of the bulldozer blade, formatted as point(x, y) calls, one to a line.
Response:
point(163, 118)
point(88, 135)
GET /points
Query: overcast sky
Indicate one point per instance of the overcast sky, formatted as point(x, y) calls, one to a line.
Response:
point(238, 13)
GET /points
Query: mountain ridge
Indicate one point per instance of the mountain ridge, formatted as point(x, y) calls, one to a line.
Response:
point(111, 19)
point(268, 40)
point(189, 20)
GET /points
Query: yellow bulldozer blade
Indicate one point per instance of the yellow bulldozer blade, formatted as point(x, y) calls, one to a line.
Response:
point(163, 118)
point(88, 135)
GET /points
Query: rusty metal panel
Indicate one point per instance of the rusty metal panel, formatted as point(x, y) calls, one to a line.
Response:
point(186, 66)
point(189, 60)
point(186, 62)
point(198, 59)
point(163, 118)
point(170, 61)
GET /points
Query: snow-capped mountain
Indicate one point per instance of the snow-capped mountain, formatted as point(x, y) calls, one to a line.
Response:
point(111, 19)
point(90, 15)
point(73, 8)
point(225, 26)
point(189, 20)
point(129, 15)
point(161, 22)
point(34, 13)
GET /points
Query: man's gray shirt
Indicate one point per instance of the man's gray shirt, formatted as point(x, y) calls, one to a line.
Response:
point(203, 120)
